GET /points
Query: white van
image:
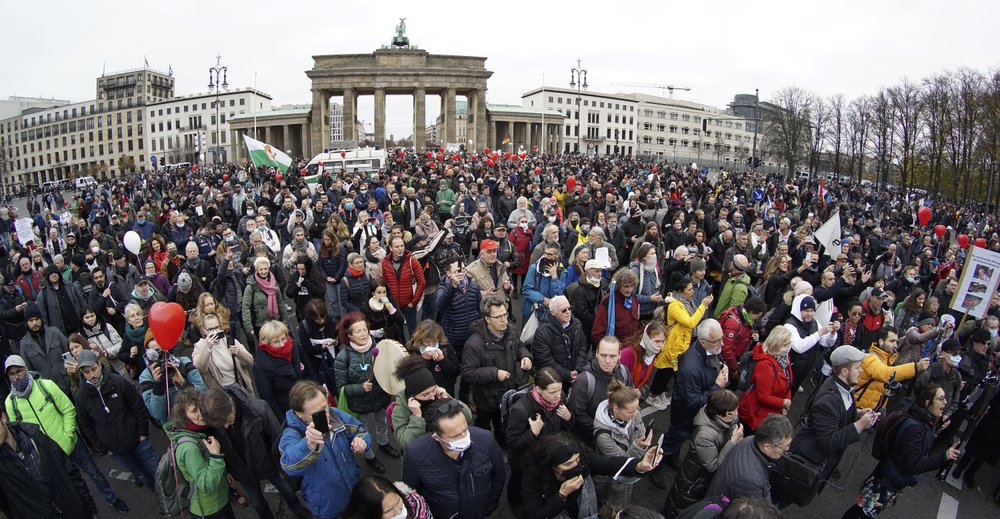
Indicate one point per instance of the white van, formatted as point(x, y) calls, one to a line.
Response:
point(350, 160)
point(85, 182)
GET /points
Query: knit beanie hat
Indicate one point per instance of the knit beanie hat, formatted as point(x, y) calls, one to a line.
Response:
point(808, 303)
point(32, 310)
point(417, 381)
point(697, 264)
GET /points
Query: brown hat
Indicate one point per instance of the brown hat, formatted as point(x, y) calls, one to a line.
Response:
point(148, 338)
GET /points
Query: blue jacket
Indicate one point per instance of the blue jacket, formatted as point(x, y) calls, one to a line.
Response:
point(145, 230)
point(328, 476)
point(469, 490)
point(538, 286)
point(153, 393)
point(457, 310)
point(695, 380)
point(648, 288)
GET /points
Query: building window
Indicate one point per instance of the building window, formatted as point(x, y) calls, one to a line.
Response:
point(661, 115)
point(686, 118)
point(685, 130)
point(684, 144)
point(659, 140)
point(673, 142)
point(661, 127)
point(560, 100)
point(647, 126)
point(673, 129)
point(646, 139)
point(232, 102)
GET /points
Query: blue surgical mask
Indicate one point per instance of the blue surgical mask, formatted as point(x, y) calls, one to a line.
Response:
point(993, 333)
point(349, 206)
point(955, 359)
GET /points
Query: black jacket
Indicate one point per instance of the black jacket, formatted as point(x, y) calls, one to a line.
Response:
point(696, 373)
point(470, 488)
point(589, 390)
point(275, 378)
point(247, 442)
point(563, 349)
point(484, 355)
point(520, 439)
point(584, 298)
point(112, 416)
point(540, 489)
point(910, 451)
point(67, 495)
point(828, 428)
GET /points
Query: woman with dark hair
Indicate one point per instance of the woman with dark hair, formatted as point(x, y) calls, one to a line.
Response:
point(333, 265)
point(908, 314)
point(305, 283)
point(375, 497)
point(577, 263)
point(373, 254)
point(558, 482)
point(429, 341)
point(318, 338)
point(716, 431)
point(355, 288)
point(199, 457)
point(103, 338)
point(907, 454)
point(541, 412)
point(355, 379)
point(383, 315)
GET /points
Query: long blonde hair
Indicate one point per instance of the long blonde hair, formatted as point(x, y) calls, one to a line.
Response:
point(220, 311)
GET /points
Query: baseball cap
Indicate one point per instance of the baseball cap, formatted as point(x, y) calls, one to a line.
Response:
point(489, 245)
point(86, 358)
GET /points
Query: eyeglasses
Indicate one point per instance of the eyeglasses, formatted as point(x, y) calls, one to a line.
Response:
point(712, 341)
point(942, 399)
point(501, 316)
point(565, 310)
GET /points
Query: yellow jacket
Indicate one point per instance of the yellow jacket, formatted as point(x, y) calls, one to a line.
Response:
point(679, 339)
point(877, 367)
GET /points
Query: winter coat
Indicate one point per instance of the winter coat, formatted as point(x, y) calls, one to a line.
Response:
point(744, 473)
point(564, 349)
point(111, 415)
point(51, 304)
point(206, 472)
point(613, 440)
point(408, 427)
point(681, 323)
point(470, 490)
point(401, 283)
point(626, 319)
point(521, 240)
point(709, 447)
point(481, 274)
point(734, 293)
point(334, 265)
point(587, 393)
point(64, 495)
point(275, 378)
point(47, 406)
point(538, 286)
point(243, 362)
point(47, 359)
point(154, 391)
point(484, 355)
point(646, 289)
point(695, 380)
point(520, 438)
point(257, 429)
point(457, 308)
point(770, 387)
point(828, 428)
point(104, 337)
point(329, 475)
point(909, 453)
point(353, 370)
point(876, 369)
point(354, 293)
point(736, 334)
point(540, 489)
point(255, 307)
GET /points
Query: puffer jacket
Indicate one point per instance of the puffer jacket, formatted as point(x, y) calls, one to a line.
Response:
point(695, 380)
point(112, 415)
point(353, 369)
point(255, 307)
point(709, 447)
point(771, 386)
point(520, 439)
point(736, 332)
point(154, 392)
point(401, 284)
point(562, 349)
point(328, 475)
point(876, 368)
point(647, 288)
point(457, 308)
point(745, 473)
point(612, 440)
point(355, 292)
point(205, 471)
point(408, 427)
point(46, 405)
point(910, 451)
point(484, 355)
point(681, 324)
point(537, 286)
point(333, 265)
point(47, 359)
point(587, 393)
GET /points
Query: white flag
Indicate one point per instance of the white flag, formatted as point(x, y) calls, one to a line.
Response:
point(829, 235)
point(263, 154)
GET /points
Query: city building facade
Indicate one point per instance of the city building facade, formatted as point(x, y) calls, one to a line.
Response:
point(596, 123)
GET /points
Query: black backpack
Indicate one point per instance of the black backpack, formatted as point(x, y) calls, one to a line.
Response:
point(744, 371)
point(886, 433)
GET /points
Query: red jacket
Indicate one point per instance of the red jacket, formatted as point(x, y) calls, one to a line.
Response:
point(626, 321)
point(735, 336)
point(30, 285)
point(771, 387)
point(400, 284)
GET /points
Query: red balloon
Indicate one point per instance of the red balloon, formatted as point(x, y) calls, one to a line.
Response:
point(963, 240)
point(538, 170)
point(400, 153)
point(939, 230)
point(506, 155)
point(924, 215)
point(225, 177)
point(343, 154)
point(429, 154)
point(194, 168)
point(522, 155)
point(399, 160)
point(495, 156)
point(166, 321)
point(432, 165)
point(456, 157)
point(981, 243)
point(474, 156)
point(571, 182)
point(321, 163)
point(278, 177)
point(490, 163)
point(486, 151)
point(440, 157)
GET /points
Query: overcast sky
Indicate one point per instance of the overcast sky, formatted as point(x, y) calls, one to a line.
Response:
point(716, 48)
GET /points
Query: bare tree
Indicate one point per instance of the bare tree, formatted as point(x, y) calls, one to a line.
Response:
point(819, 120)
point(880, 135)
point(787, 131)
point(837, 123)
point(936, 95)
point(906, 112)
point(961, 122)
point(858, 121)
point(989, 108)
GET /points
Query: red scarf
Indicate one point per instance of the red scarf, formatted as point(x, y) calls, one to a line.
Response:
point(279, 352)
point(536, 395)
point(355, 273)
point(191, 426)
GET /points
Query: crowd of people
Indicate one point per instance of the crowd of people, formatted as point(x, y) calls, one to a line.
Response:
point(541, 303)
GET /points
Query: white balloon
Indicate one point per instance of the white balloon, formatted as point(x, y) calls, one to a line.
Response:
point(132, 242)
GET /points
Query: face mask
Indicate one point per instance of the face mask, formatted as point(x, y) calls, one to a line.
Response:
point(461, 444)
point(250, 212)
point(594, 281)
point(523, 226)
point(349, 207)
point(585, 229)
point(401, 515)
point(95, 250)
point(230, 239)
point(650, 260)
point(552, 219)
point(581, 469)
point(886, 306)
point(436, 347)
point(481, 213)
point(180, 225)
point(363, 191)
point(909, 279)
point(141, 221)
point(955, 359)
point(612, 226)
point(574, 222)
point(993, 333)
point(22, 385)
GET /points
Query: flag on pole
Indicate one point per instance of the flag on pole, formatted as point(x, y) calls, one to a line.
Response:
point(170, 70)
point(506, 141)
point(828, 235)
point(146, 61)
point(263, 154)
point(822, 200)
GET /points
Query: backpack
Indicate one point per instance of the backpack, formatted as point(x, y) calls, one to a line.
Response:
point(173, 490)
point(704, 509)
point(507, 401)
point(591, 386)
point(886, 433)
point(294, 482)
point(744, 371)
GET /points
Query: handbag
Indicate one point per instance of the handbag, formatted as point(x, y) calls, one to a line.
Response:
point(342, 403)
point(795, 479)
point(530, 326)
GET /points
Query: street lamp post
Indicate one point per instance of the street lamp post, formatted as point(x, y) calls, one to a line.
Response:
point(213, 82)
point(756, 124)
point(616, 142)
point(578, 79)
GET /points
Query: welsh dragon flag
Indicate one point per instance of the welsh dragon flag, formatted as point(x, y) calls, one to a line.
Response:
point(263, 154)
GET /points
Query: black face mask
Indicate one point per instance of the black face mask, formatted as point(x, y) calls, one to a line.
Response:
point(581, 469)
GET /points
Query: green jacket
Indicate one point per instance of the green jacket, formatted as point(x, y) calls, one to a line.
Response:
point(445, 199)
point(54, 413)
point(207, 472)
point(255, 308)
point(408, 427)
point(734, 293)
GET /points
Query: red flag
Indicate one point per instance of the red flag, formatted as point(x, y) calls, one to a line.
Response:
point(822, 199)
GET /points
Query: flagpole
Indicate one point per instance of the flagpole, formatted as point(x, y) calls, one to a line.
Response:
point(544, 136)
point(253, 107)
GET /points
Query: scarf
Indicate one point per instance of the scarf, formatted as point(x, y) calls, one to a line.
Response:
point(355, 273)
point(361, 348)
point(279, 352)
point(299, 246)
point(619, 423)
point(536, 395)
point(136, 335)
point(270, 288)
point(783, 361)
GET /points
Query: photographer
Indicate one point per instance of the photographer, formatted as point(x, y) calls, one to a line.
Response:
point(221, 359)
point(180, 371)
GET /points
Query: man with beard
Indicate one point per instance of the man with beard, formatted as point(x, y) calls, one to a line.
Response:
point(411, 210)
point(72, 246)
point(122, 273)
point(29, 280)
point(42, 348)
point(108, 299)
point(197, 267)
point(60, 302)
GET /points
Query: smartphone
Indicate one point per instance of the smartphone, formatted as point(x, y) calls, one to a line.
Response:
point(67, 356)
point(320, 422)
point(659, 444)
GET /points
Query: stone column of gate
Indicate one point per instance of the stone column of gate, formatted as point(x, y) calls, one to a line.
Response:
point(350, 113)
point(530, 139)
point(482, 135)
point(510, 133)
point(319, 131)
point(450, 133)
point(419, 119)
point(380, 117)
point(472, 120)
point(286, 141)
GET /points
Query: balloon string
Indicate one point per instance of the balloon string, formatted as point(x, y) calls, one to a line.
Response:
point(173, 450)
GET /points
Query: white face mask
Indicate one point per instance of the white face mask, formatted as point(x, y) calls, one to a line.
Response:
point(401, 515)
point(523, 226)
point(461, 444)
point(596, 281)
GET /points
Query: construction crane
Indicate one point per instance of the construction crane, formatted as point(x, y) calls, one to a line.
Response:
point(667, 88)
